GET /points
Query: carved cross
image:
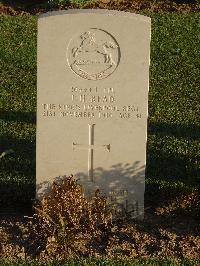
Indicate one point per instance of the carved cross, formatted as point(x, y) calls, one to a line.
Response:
point(91, 147)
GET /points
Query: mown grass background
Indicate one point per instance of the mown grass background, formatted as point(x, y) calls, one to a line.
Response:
point(173, 149)
point(60, 3)
point(18, 106)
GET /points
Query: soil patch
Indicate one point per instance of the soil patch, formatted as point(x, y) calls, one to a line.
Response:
point(154, 237)
point(168, 231)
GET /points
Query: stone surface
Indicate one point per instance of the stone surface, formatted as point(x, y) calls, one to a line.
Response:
point(93, 72)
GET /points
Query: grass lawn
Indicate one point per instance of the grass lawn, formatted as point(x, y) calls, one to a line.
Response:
point(18, 106)
point(173, 150)
point(173, 145)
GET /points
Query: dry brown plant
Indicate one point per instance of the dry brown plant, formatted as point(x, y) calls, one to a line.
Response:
point(66, 221)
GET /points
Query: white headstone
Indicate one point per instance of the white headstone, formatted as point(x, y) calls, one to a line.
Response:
point(93, 75)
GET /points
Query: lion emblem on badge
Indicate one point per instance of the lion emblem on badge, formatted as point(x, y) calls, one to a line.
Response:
point(93, 54)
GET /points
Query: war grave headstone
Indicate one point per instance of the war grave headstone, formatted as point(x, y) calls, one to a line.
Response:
point(92, 103)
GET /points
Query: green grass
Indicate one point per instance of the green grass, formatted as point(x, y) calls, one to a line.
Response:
point(104, 262)
point(173, 150)
point(45, 3)
point(18, 106)
point(174, 99)
point(59, 3)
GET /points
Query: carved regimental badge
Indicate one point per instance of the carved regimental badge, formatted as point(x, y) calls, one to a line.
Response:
point(93, 55)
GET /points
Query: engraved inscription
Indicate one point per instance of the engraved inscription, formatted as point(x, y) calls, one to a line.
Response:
point(92, 103)
point(119, 203)
point(91, 147)
point(94, 54)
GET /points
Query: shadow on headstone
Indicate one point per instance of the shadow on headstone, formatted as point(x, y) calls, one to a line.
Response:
point(126, 173)
point(160, 165)
point(121, 184)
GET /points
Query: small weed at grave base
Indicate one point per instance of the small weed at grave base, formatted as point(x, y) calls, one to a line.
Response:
point(65, 219)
